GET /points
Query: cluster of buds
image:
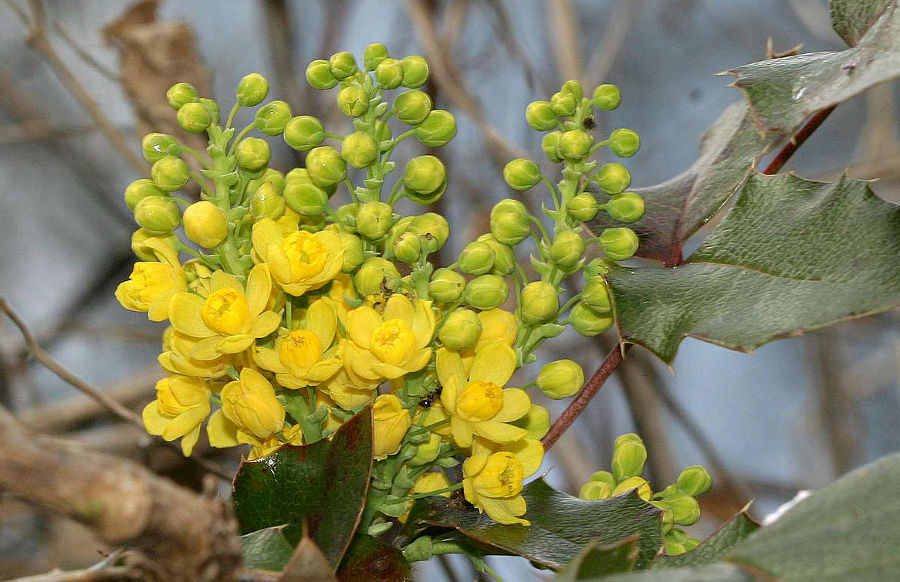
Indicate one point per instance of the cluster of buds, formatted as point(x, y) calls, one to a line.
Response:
point(288, 314)
point(677, 501)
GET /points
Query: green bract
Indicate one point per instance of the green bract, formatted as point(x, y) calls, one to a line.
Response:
point(461, 329)
point(180, 94)
point(156, 146)
point(273, 117)
point(325, 165)
point(194, 117)
point(619, 243)
point(319, 76)
point(415, 71)
point(412, 107)
point(170, 173)
point(304, 132)
point(521, 174)
point(606, 97)
point(437, 130)
point(252, 89)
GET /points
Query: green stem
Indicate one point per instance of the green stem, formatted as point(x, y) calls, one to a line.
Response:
point(432, 493)
point(395, 192)
point(394, 143)
point(200, 158)
point(239, 137)
point(553, 192)
point(598, 145)
point(231, 115)
point(540, 226)
point(203, 185)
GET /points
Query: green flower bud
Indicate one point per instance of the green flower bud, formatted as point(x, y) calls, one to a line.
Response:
point(326, 167)
point(212, 107)
point(594, 490)
point(694, 481)
point(521, 174)
point(486, 292)
point(266, 203)
point(628, 459)
point(273, 117)
point(674, 547)
point(359, 149)
point(304, 132)
point(415, 71)
point(627, 437)
point(437, 130)
point(353, 251)
point(193, 117)
point(180, 94)
point(427, 451)
point(252, 89)
point(563, 104)
point(205, 224)
point(408, 248)
point(389, 73)
point(412, 107)
point(666, 519)
point(374, 219)
point(433, 230)
point(583, 207)
point(140, 189)
point(575, 145)
point(605, 477)
point(550, 146)
point(626, 207)
point(536, 421)
point(272, 176)
point(643, 488)
point(619, 243)
point(157, 214)
point(159, 145)
point(587, 322)
point(424, 175)
point(509, 223)
point(540, 116)
point(685, 509)
point(446, 286)
point(302, 195)
point(342, 65)
point(140, 249)
point(319, 76)
point(170, 173)
point(606, 97)
point(252, 154)
point(460, 330)
point(504, 257)
point(573, 87)
point(613, 178)
point(624, 142)
point(567, 248)
point(540, 302)
point(476, 258)
point(374, 54)
point(353, 101)
point(598, 266)
point(347, 215)
point(376, 275)
point(560, 379)
point(596, 296)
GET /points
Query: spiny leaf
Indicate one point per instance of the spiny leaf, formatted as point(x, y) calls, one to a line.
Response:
point(369, 560)
point(266, 549)
point(852, 18)
point(597, 559)
point(713, 547)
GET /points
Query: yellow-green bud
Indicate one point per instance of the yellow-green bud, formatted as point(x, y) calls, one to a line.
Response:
point(583, 207)
point(433, 230)
point(342, 65)
point(550, 146)
point(575, 145)
point(446, 286)
point(665, 518)
point(359, 149)
point(567, 248)
point(573, 87)
point(613, 178)
point(389, 73)
point(140, 248)
point(424, 175)
point(212, 107)
point(606, 97)
point(302, 195)
point(180, 94)
point(476, 258)
point(252, 154)
point(685, 509)
point(157, 214)
point(540, 302)
point(326, 167)
point(628, 458)
point(304, 132)
point(626, 207)
point(588, 322)
point(521, 174)
point(627, 437)
point(624, 142)
point(272, 176)
point(319, 76)
point(374, 54)
point(596, 296)
point(504, 257)
point(353, 101)
point(674, 547)
point(694, 481)
point(437, 129)
point(563, 104)
point(140, 189)
point(536, 421)
point(460, 331)
point(375, 276)
point(273, 117)
point(643, 488)
point(159, 145)
point(408, 248)
point(594, 490)
point(252, 89)
point(540, 116)
point(205, 224)
point(415, 71)
point(193, 117)
point(374, 219)
point(170, 173)
point(560, 379)
point(509, 222)
point(605, 477)
point(266, 203)
point(412, 107)
point(427, 451)
point(486, 292)
point(347, 215)
point(598, 266)
point(619, 243)
point(353, 251)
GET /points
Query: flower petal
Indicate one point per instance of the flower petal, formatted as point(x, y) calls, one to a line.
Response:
point(499, 432)
point(268, 359)
point(530, 453)
point(207, 349)
point(423, 323)
point(450, 371)
point(154, 422)
point(259, 287)
point(505, 511)
point(361, 324)
point(184, 313)
point(461, 432)
point(222, 280)
point(266, 323)
point(221, 431)
point(322, 321)
point(495, 363)
point(185, 422)
point(399, 307)
point(189, 440)
point(235, 344)
point(265, 232)
point(516, 404)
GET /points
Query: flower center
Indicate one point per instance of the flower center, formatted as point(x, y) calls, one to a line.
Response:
point(393, 342)
point(226, 312)
point(480, 400)
point(149, 281)
point(299, 350)
point(305, 253)
point(176, 397)
point(501, 477)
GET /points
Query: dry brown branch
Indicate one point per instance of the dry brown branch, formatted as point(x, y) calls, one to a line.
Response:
point(564, 32)
point(624, 13)
point(454, 18)
point(84, 54)
point(280, 36)
point(537, 81)
point(30, 131)
point(836, 408)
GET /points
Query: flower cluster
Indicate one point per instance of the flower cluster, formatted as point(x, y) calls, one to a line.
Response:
point(289, 312)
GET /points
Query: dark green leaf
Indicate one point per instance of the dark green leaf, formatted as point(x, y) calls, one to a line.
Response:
point(713, 547)
point(792, 255)
point(597, 559)
point(719, 572)
point(323, 484)
point(266, 549)
point(561, 525)
point(369, 560)
point(852, 18)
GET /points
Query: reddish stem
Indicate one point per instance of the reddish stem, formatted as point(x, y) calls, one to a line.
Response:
point(797, 140)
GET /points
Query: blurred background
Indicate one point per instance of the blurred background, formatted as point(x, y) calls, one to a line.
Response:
point(81, 81)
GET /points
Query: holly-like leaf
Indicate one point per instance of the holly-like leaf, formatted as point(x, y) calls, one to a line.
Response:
point(323, 485)
point(792, 255)
point(715, 546)
point(561, 525)
point(266, 549)
point(851, 19)
point(369, 560)
point(597, 559)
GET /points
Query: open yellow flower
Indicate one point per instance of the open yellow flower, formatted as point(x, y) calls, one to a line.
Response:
point(181, 406)
point(224, 433)
point(176, 357)
point(298, 261)
point(151, 284)
point(477, 403)
point(390, 344)
point(493, 484)
point(230, 319)
point(347, 393)
point(392, 421)
point(497, 325)
point(250, 403)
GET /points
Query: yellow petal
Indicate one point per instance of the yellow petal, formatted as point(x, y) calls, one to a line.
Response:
point(360, 362)
point(207, 349)
point(516, 404)
point(235, 344)
point(184, 313)
point(221, 431)
point(279, 264)
point(499, 432)
point(259, 287)
point(474, 464)
point(322, 321)
point(399, 307)
point(222, 280)
point(265, 233)
point(266, 323)
point(505, 511)
point(451, 373)
point(154, 422)
point(423, 323)
point(268, 359)
point(186, 422)
point(389, 371)
point(189, 440)
point(530, 454)
point(418, 360)
point(323, 370)
point(361, 324)
point(461, 432)
point(495, 363)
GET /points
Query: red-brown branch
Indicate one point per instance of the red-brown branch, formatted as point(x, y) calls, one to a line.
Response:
point(797, 140)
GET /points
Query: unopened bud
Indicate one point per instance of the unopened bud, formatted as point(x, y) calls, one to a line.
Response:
point(643, 488)
point(583, 207)
point(540, 116)
point(594, 490)
point(573, 87)
point(180, 94)
point(353, 251)
point(252, 89)
point(272, 176)
point(205, 224)
point(624, 142)
point(694, 481)
point(613, 178)
point(353, 101)
point(567, 248)
point(252, 154)
point(575, 145)
point(389, 73)
point(460, 331)
point(619, 243)
point(273, 117)
point(408, 248)
point(605, 477)
point(359, 149)
point(626, 207)
point(486, 292)
point(412, 107)
point(159, 145)
point(433, 230)
point(193, 117)
point(326, 167)
point(319, 76)
point(157, 214)
point(266, 203)
point(424, 175)
point(375, 276)
point(536, 421)
point(588, 322)
point(140, 189)
point(374, 54)
point(540, 302)
point(304, 132)
point(560, 379)
point(563, 104)
point(427, 451)
point(147, 252)
point(628, 459)
point(437, 130)
point(342, 65)
point(446, 286)
point(596, 296)
point(685, 509)
point(550, 146)
point(170, 173)
point(374, 219)
point(606, 97)
point(509, 222)
point(415, 71)
point(476, 258)
point(504, 257)
point(521, 174)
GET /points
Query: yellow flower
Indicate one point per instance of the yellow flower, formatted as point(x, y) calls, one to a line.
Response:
point(497, 325)
point(176, 357)
point(431, 482)
point(390, 344)
point(298, 261)
point(151, 284)
point(493, 484)
point(347, 393)
point(224, 433)
point(250, 403)
point(391, 423)
point(479, 405)
point(181, 406)
point(230, 318)
point(291, 435)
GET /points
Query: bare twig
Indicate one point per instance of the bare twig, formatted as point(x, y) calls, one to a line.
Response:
point(280, 35)
point(836, 407)
point(797, 140)
point(30, 131)
point(84, 54)
point(564, 32)
point(537, 81)
point(624, 13)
